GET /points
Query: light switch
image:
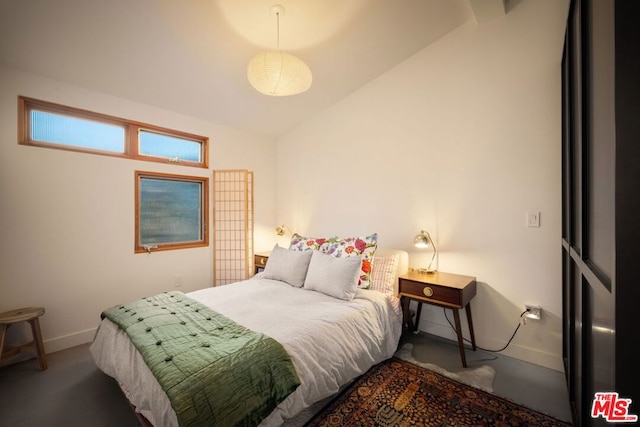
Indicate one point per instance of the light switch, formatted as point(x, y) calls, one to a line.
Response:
point(533, 219)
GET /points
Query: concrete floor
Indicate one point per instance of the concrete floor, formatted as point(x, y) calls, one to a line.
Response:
point(73, 392)
point(536, 387)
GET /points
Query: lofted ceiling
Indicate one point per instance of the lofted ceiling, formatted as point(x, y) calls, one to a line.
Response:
point(190, 56)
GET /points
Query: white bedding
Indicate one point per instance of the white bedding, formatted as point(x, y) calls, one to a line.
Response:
point(330, 341)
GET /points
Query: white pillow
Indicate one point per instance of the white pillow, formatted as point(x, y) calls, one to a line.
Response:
point(337, 277)
point(287, 266)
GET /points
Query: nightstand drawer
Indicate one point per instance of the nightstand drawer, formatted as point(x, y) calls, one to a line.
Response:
point(430, 291)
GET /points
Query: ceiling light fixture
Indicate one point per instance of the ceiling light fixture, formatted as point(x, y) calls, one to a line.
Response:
point(278, 73)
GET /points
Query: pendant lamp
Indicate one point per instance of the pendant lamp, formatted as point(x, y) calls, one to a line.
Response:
point(278, 73)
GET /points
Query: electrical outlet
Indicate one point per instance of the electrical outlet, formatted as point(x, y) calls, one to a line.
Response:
point(533, 312)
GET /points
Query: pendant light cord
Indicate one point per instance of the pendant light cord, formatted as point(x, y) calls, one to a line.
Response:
point(278, 27)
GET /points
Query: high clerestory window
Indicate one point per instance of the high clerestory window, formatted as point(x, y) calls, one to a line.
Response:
point(45, 124)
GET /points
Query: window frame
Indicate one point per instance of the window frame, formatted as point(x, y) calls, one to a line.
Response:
point(204, 242)
point(131, 128)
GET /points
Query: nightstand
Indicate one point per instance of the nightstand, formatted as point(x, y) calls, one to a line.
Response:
point(442, 289)
point(259, 261)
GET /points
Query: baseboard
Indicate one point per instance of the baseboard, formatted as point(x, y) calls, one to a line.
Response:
point(535, 357)
point(67, 341)
point(530, 355)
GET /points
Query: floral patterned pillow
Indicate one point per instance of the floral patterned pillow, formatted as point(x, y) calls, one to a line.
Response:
point(354, 246)
point(302, 243)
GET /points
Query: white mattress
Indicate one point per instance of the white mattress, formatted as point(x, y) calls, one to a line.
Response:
point(330, 341)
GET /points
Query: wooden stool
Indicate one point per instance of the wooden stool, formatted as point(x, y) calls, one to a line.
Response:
point(31, 315)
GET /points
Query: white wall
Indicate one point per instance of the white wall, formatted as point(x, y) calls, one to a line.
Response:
point(67, 219)
point(461, 140)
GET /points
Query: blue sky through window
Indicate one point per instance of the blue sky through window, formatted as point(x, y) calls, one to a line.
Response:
point(75, 132)
point(171, 147)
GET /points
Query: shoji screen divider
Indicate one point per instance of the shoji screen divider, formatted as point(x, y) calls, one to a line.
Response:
point(232, 225)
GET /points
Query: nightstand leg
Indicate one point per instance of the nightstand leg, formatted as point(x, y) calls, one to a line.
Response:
point(473, 337)
point(456, 317)
point(406, 314)
point(418, 312)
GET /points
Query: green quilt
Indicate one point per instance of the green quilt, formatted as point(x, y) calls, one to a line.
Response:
point(214, 371)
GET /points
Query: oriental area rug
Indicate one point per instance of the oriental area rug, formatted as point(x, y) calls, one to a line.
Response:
point(399, 393)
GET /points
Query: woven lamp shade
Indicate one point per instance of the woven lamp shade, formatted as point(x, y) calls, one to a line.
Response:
point(278, 73)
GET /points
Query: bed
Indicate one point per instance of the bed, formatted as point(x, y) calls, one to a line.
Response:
point(330, 338)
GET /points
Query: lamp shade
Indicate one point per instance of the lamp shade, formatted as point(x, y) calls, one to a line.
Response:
point(280, 230)
point(421, 240)
point(278, 73)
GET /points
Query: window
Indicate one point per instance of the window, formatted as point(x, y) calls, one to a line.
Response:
point(171, 211)
point(169, 147)
point(45, 124)
point(51, 128)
